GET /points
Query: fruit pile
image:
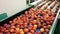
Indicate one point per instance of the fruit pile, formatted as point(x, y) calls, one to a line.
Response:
point(31, 22)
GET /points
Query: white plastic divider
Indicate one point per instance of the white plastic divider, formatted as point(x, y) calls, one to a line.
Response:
point(54, 9)
point(37, 2)
point(39, 5)
point(51, 4)
point(42, 3)
point(45, 5)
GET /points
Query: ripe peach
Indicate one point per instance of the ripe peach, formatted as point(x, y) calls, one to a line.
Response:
point(49, 26)
point(26, 30)
point(38, 32)
point(12, 26)
point(42, 30)
point(47, 30)
point(11, 30)
point(44, 26)
point(17, 29)
point(48, 23)
point(29, 33)
point(22, 32)
point(32, 31)
point(35, 26)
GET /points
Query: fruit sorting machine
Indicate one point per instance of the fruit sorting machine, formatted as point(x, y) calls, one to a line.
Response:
point(41, 19)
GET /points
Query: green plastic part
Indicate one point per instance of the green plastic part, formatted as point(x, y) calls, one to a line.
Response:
point(2, 16)
point(57, 30)
point(27, 1)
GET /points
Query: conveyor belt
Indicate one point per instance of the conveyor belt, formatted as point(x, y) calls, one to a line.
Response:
point(43, 5)
point(53, 6)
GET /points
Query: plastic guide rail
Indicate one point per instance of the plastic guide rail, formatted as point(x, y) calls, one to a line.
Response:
point(40, 5)
point(54, 9)
point(36, 2)
point(51, 4)
point(54, 23)
point(45, 5)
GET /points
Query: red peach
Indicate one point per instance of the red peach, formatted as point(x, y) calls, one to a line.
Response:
point(44, 26)
point(32, 31)
point(26, 30)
